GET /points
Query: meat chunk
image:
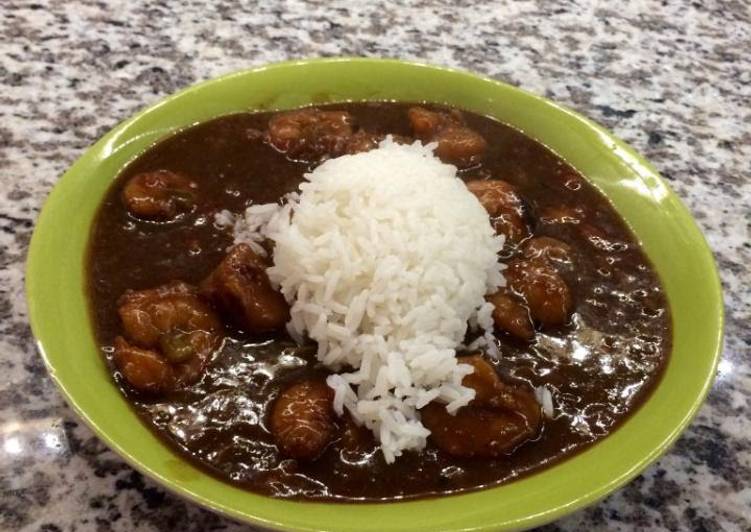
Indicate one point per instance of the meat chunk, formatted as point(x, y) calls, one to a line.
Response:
point(504, 206)
point(457, 144)
point(500, 418)
point(546, 293)
point(311, 134)
point(160, 195)
point(511, 316)
point(241, 289)
point(549, 249)
point(302, 419)
point(173, 333)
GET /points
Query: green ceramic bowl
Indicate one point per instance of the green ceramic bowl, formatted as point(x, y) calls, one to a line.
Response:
point(59, 316)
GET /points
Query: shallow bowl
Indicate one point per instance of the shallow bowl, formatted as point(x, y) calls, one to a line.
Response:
point(60, 320)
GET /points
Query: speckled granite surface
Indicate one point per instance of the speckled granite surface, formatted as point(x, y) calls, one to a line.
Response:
point(673, 78)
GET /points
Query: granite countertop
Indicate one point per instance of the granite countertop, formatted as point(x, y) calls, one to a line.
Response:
point(672, 78)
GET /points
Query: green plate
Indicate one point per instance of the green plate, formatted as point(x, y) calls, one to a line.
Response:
point(58, 307)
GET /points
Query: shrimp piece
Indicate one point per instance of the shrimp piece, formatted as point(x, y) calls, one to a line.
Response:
point(457, 144)
point(310, 134)
point(511, 316)
point(500, 417)
point(460, 146)
point(546, 293)
point(172, 324)
point(426, 123)
point(483, 380)
point(549, 249)
point(302, 419)
point(160, 196)
point(144, 369)
point(149, 314)
point(504, 206)
point(241, 289)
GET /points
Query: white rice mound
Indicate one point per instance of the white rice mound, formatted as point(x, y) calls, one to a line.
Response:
point(385, 258)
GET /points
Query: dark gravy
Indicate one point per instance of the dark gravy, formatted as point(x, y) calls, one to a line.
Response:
point(600, 368)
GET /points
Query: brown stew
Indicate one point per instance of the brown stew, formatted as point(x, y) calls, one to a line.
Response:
point(598, 337)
